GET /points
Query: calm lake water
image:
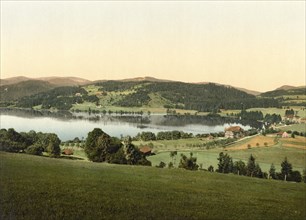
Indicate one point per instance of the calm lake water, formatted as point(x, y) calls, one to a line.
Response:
point(69, 128)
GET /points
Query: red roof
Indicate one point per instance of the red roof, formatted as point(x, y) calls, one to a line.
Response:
point(145, 149)
point(234, 129)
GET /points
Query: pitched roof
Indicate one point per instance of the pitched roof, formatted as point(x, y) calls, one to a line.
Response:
point(234, 129)
point(145, 149)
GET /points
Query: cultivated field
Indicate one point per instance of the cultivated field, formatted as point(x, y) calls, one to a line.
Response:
point(274, 152)
point(33, 187)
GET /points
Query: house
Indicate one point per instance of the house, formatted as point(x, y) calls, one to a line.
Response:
point(234, 132)
point(285, 135)
point(292, 118)
point(279, 134)
point(67, 151)
point(146, 150)
point(303, 120)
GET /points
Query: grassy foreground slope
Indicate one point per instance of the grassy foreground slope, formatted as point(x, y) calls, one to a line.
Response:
point(33, 187)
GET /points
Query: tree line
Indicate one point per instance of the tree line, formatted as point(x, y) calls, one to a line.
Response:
point(29, 142)
point(226, 165)
point(200, 97)
point(61, 98)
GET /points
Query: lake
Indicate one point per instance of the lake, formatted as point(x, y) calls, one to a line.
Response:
point(73, 126)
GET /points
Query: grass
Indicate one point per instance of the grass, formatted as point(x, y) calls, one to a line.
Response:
point(295, 127)
point(171, 145)
point(299, 109)
point(33, 187)
point(292, 148)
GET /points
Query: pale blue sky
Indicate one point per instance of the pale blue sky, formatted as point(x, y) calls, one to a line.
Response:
point(259, 45)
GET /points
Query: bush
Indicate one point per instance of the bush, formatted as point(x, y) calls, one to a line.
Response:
point(34, 150)
point(188, 163)
point(161, 165)
point(211, 168)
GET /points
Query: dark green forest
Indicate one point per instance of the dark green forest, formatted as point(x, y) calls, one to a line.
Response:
point(200, 97)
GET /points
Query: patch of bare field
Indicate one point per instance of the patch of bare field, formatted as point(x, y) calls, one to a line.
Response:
point(257, 141)
point(297, 142)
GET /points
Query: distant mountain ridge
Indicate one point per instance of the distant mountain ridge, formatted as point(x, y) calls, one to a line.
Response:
point(77, 81)
point(54, 80)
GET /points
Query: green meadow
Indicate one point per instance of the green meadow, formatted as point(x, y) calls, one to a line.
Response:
point(33, 187)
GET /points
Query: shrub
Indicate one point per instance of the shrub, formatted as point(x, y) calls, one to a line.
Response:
point(34, 150)
point(161, 165)
point(211, 168)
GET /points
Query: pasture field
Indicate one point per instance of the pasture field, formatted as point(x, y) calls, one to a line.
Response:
point(264, 156)
point(34, 187)
point(299, 109)
point(295, 127)
point(275, 152)
point(255, 141)
point(171, 145)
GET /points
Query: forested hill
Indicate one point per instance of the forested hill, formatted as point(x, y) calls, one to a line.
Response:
point(200, 97)
point(288, 96)
point(284, 92)
point(18, 90)
point(179, 95)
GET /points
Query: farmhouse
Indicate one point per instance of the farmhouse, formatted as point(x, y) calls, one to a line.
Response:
point(234, 132)
point(282, 134)
point(146, 150)
point(292, 118)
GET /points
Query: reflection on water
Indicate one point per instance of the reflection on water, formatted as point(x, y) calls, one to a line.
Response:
point(68, 126)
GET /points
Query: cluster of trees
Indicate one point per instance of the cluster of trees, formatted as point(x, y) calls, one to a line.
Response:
point(188, 163)
point(137, 99)
point(163, 135)
point(30, 142)
point(100, 147)
point(273, 118)
point(251, 115)
point(61, 98)
point(289, 112)
point(252, 169)
point(226, 165)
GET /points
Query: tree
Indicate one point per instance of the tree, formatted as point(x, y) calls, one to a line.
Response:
point(272, 172)
point(286, 168)
point(225, 164)
point(251, 166)
point(92, 148)
point(304, 175)
point(161, 165)
point(34, 150)
point(132, 154)
point(173, 156)
point(239, 167)
point(53, 145)
point(210, 168)
point(258, 172)
point(296, 176)
point(188, 163)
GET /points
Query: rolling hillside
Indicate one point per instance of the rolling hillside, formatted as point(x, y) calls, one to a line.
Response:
point(55, 80)
point(13, 92)
point(32, 187)
point(133, 94)
point(288, 95)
